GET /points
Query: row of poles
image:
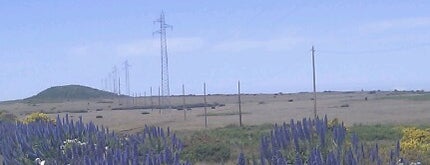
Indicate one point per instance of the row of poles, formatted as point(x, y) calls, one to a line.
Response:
point(204, 100)
point(161, 96)
point(112, 82)
point(164, 91)
point(238, 93)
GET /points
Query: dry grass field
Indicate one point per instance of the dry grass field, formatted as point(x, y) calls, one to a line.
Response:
point(350, 107)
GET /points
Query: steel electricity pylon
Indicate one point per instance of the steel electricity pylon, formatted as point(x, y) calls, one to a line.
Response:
point(165, 89)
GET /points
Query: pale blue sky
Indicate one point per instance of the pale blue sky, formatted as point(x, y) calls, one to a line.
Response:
point(266, 44)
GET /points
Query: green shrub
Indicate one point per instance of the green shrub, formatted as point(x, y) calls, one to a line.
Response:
point(213, 152)
point(377, 132)
point(7, 117)
point(221, 145)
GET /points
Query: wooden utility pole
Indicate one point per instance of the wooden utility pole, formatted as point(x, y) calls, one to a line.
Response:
point(314, 82)
point(134, 99)
point(240, 104)
point(206, 104)
point(183, 102)
point(144, 98)
point(159, 100)
point(150, 98)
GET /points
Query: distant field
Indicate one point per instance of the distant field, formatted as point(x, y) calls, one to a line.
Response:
point(376, 117)
point(351, 107)
point(413, 97)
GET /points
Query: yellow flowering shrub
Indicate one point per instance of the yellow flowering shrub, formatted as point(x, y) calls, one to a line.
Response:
point(332, 123)
point(37, 116)
point(415, 143)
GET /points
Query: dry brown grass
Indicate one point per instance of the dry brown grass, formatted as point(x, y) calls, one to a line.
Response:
point(276, 109)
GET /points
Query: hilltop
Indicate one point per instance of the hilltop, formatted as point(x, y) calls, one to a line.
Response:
point(71, 92)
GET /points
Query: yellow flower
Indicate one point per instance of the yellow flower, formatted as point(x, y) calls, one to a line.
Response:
point(37, 116)
point(415, 140)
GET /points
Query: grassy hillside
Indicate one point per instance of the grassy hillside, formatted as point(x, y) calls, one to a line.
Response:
point(70, 92)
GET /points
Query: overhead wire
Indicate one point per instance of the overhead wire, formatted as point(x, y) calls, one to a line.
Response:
point(374, 51)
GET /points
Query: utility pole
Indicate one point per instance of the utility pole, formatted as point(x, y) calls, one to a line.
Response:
point(159, 100)
point(144, 98)
point(114, 75)
point(134, 99)
point(127, 77)
point(183, 102)
point(240, 104)
point(152, 101)
point(206, 104)
point(314, 82)
point(119, 85)
point(165, 89)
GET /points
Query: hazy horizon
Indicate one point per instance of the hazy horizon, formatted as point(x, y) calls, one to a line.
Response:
point(369, 45)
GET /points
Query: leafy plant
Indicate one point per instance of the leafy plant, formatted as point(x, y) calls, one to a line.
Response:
point(36, 117)
point(415, 143)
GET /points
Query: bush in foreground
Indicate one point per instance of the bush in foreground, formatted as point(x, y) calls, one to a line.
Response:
point(415, 143)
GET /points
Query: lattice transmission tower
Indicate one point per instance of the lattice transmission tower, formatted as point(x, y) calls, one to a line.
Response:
point(165, 89)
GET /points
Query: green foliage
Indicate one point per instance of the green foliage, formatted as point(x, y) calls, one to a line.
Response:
point(7, 117)
point(415, 143)
point(214, 152)
point(421, 97)
point(377, 132)
point(70, 92)
point(242, 136)
point(222, 144)
point(414, 97)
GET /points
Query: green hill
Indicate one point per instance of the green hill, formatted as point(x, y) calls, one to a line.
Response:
point(71, 92)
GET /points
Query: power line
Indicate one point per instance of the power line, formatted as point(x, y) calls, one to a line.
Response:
point(373, 51)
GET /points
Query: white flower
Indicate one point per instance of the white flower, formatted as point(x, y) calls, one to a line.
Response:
point(39, 161)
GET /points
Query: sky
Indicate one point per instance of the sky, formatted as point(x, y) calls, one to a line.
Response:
point(266, 44)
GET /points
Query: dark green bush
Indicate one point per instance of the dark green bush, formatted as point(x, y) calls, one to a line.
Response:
point(213, 152)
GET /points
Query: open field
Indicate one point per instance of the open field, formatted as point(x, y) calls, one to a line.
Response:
point(376, 117)
point(350, 107)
